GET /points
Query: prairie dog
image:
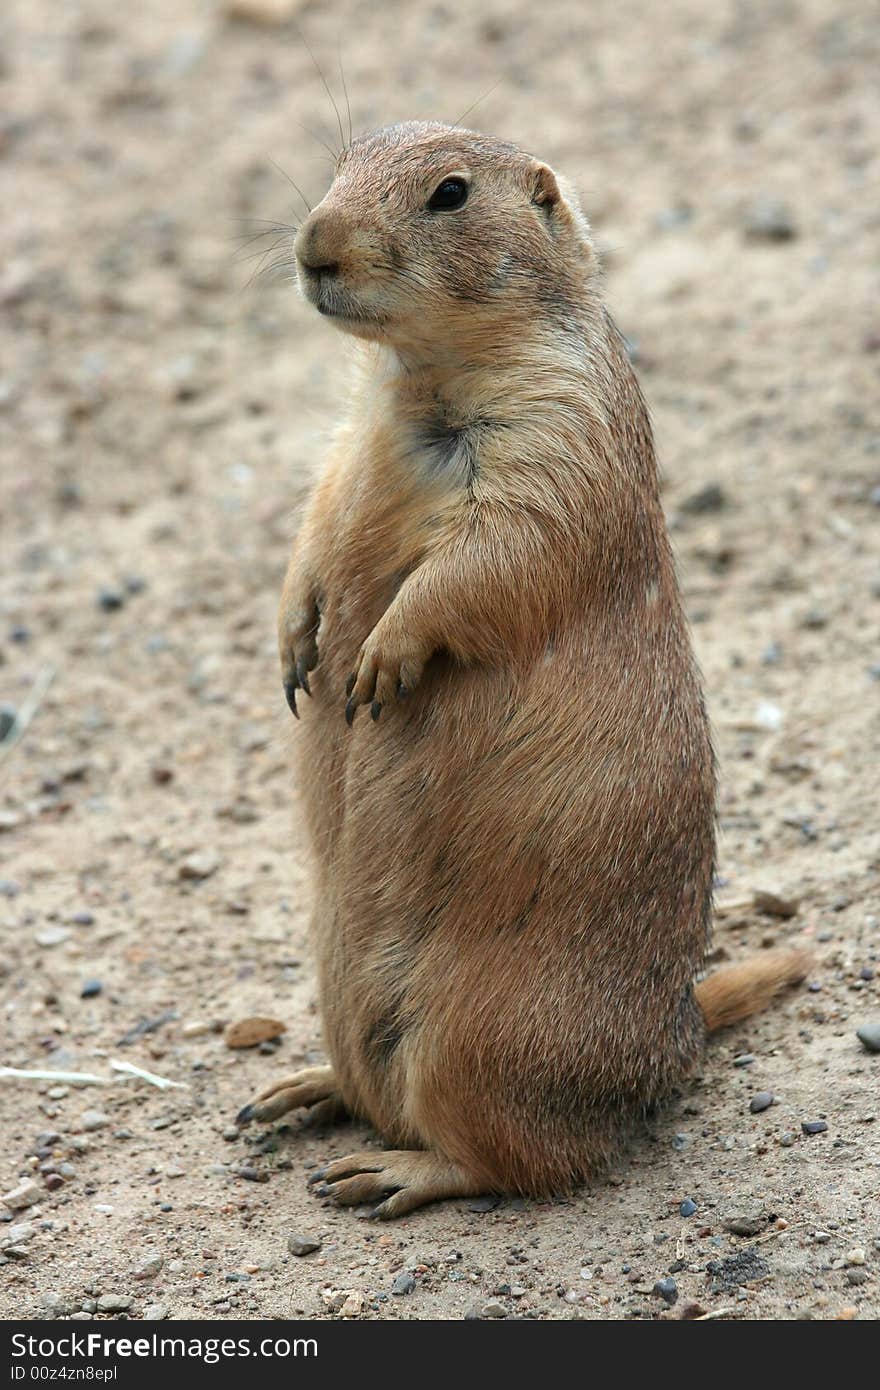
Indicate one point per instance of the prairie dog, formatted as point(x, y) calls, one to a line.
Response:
point(513, 824)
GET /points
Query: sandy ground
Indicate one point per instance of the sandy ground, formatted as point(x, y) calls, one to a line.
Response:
point(157, 416)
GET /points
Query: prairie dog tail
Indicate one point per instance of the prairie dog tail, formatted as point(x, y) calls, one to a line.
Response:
point(737, 991)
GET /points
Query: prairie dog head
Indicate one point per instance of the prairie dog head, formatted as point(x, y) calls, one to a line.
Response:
point(429, 232)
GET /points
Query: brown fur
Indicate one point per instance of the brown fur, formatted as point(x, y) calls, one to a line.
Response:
point(514, 855)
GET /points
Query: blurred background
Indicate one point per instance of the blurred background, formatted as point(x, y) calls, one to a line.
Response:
point(162, 398)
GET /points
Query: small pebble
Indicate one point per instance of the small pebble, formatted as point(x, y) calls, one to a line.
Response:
point(746, 1216)
point(7, 720)
point(303, 1245)
point(762, 1100)
point(688, 1207)
point(857, 1276)
point(403, 1284)
point(51, 936)
point(24, 1195)
point(109, 600)
point(768, 219)
point(710, 498)
point(149, 1268)
point(856, 1256)
point(667, 1289)
point(155, 1312)
point(90, 989)
point(869, 1037)
point(92, 1120)
point(199, 866)
point(814, 1126)
point(252, 1174)
point(113, 1303)
point(249, 1032)
point(493, 1309)
point(773, 905)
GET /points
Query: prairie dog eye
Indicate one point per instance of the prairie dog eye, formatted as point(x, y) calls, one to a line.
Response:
point(450, 194)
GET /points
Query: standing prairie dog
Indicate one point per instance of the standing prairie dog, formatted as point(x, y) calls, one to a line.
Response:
point(513, 824)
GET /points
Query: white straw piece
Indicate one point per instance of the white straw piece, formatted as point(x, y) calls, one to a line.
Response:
point(69, 1078)
point(161, 1081)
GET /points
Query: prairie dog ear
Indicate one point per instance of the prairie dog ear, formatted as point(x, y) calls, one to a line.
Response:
point(545, 188)
point(557, 199)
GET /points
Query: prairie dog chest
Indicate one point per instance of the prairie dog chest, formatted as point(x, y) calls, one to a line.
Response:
point(405, 483)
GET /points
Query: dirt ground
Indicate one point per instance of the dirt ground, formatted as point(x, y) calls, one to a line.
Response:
point(157, 418)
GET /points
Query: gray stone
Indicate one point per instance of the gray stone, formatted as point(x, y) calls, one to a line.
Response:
point(113, 1303)
point(745, 1216)
point(493, 1309)
point(403, 1284)
point(768, 219)
point(869, 1037)
point(24, 1195)
point(303, 1245)
point(762, 1100)
point(155, 1312)
point(18, 1233)
point(814, 1126)
point(199, 866)
point(710, 498)
point(150, 1267)
point(53, 1305)
point(91, 1120)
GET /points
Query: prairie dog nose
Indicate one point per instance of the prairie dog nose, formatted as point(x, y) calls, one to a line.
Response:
point(314, 249)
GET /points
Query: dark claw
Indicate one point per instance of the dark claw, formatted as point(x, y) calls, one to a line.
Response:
point(349, 712)
point(322, 1191)
point(402, 692)
point(302, 675)
point(290, 689)
point(375, 710)
point(318, 1174)
point(350, 683)
point(245, 1115)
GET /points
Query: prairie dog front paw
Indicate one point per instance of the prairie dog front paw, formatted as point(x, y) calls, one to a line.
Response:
point(389, 667)
point(298, 623)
